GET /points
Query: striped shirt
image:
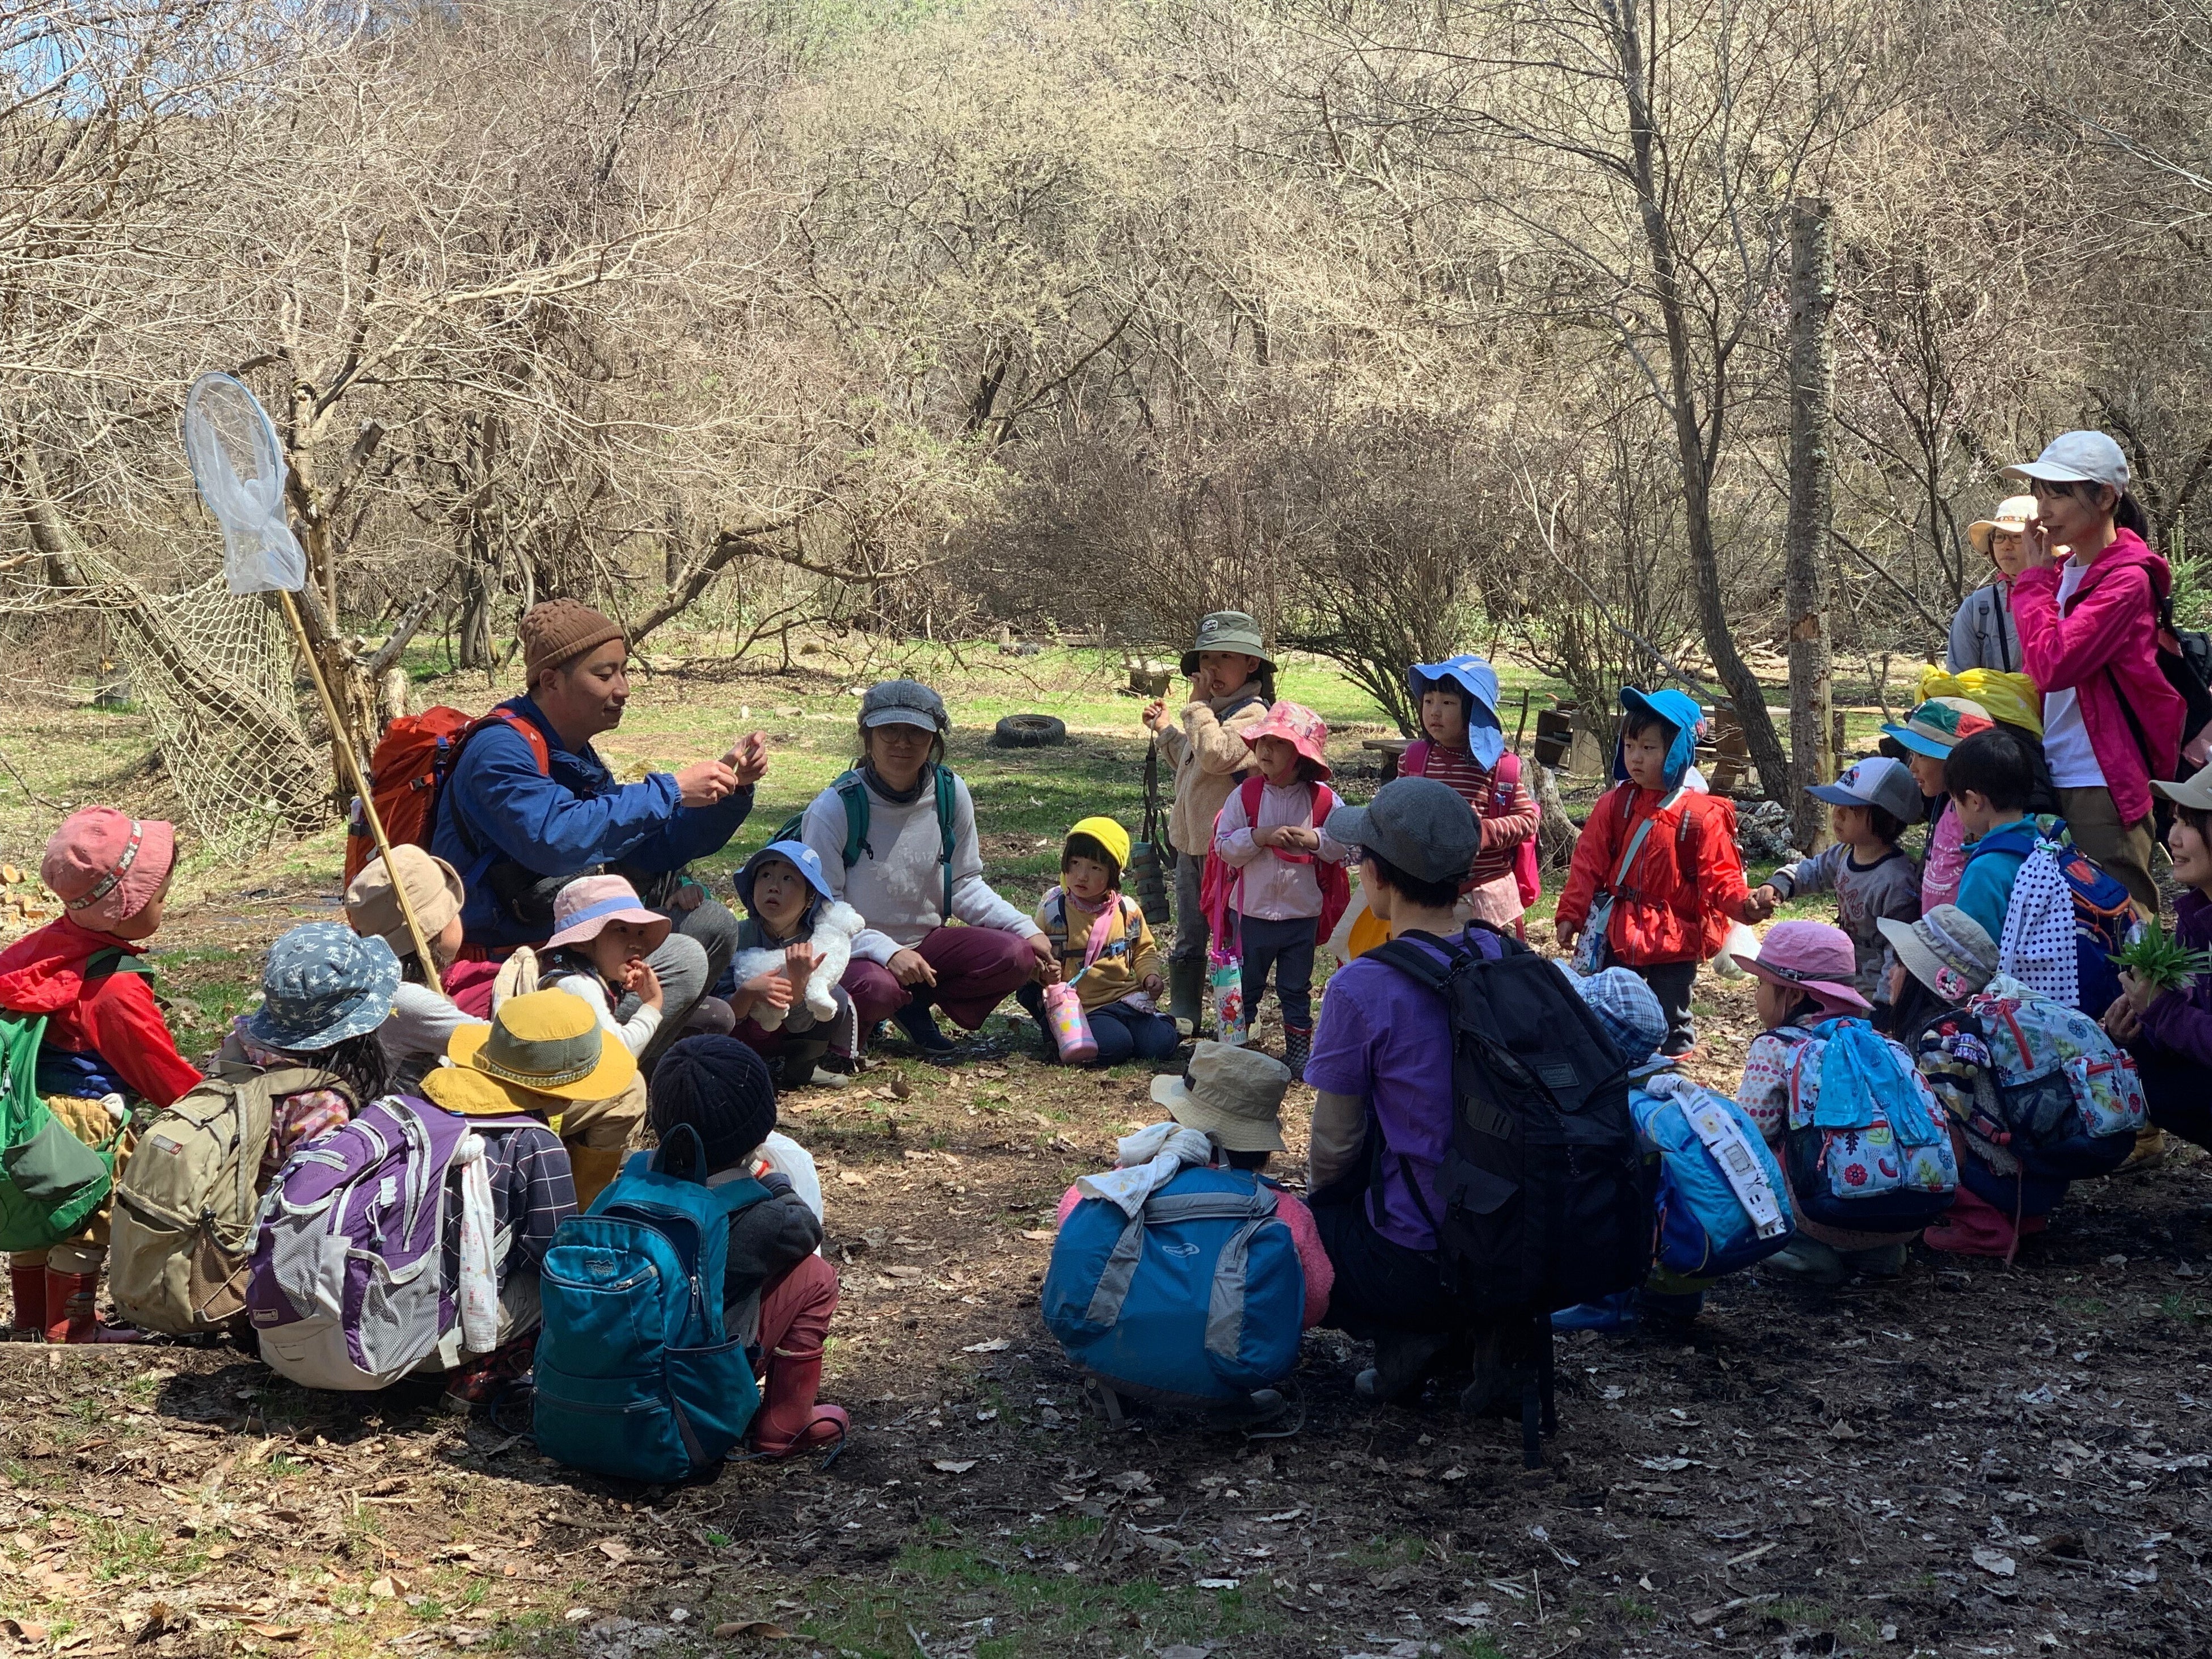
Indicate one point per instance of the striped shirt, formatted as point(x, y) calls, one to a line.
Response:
point(1489, 884)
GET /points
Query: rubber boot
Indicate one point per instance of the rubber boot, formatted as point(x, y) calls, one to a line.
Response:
point(72, 1296)
point(790, 1419)
point(29, 1281)
point(1297, 1049)
point(593, 1168)
point(1186, 993)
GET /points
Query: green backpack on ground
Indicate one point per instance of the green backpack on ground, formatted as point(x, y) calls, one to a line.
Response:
point(854, 794)
point(187, 1201)
point(51, 1182)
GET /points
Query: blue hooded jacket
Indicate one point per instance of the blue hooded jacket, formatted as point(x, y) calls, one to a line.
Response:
point(496, 806)
point(1679, 710)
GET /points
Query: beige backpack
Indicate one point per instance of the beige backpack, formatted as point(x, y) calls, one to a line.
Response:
point(186, 1203)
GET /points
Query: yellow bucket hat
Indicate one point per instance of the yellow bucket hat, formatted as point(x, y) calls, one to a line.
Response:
point(1107, 833)
point(2011, 698)
point(539, 1050)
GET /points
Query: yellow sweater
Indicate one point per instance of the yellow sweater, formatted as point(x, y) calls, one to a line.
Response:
point(1128, 958)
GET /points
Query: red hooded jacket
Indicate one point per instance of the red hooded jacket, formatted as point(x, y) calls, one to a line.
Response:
point(1683, 890)
point(2105, 649)
point(111, 1015)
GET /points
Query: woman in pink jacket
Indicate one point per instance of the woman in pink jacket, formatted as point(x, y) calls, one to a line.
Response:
point(2086, 605)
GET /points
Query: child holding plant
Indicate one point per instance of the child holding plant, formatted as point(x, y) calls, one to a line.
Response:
point(2164, 1014)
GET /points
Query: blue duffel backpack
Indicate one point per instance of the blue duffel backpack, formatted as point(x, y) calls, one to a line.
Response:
point(1199, 1300)
point(1721, 1202)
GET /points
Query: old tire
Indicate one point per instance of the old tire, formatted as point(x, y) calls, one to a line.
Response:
point(1028, 732)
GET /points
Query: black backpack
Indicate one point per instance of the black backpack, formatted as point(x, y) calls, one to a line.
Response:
point(1547, 1197)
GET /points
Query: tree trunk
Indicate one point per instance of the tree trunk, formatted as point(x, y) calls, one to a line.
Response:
point(1812, 492)
point(1696, 439)
point(1556, 835)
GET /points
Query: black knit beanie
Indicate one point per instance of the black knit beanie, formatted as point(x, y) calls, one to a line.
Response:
point(720, 1088)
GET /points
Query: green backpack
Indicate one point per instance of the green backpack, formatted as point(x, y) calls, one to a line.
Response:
point(854, 794)
point(51, 1182)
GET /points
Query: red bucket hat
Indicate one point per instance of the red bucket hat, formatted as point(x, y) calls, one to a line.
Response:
point(1298, 727)
point(105, 865)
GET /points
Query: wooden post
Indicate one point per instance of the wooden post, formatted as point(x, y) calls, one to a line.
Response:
point(1812, 492)
point(350, 761)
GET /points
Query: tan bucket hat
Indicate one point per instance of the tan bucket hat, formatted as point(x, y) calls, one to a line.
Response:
point(2011, 516)
point(1233, 1095)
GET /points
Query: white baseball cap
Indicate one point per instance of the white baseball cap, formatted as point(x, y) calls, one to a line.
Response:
point(2075, 458)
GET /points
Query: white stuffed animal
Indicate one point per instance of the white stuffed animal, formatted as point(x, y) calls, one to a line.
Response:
point(833, 928)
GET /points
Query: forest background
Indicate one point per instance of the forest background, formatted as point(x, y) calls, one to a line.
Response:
point(1411, 327)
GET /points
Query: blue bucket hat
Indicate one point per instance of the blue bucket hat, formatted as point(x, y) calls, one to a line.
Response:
point(1679, 710)
point(1628, 1008)
point(798, 852)
point(323, 983)
point(1485, 735)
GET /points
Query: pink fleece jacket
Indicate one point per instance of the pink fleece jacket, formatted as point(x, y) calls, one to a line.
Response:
point(1321, 1272)
point(2104, 648)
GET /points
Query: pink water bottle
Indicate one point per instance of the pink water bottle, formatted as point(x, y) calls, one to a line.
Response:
point(1071, 1027)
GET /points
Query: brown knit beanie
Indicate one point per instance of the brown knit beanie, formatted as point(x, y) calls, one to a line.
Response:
point(558, 630)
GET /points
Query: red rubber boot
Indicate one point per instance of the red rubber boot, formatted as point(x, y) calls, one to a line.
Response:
point(29, 1284)
point(790, 1420)
point(72, 1296)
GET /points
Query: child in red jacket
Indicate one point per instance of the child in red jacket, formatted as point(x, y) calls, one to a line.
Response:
point(104, 1036)
point(1656, 878)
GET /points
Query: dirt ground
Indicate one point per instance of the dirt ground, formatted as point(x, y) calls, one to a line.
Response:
point(1967, 1461)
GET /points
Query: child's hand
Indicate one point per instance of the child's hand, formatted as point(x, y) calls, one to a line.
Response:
point(1297, 840)
point(1156, 715)
point(2121, 1022)
point(1566, 936)
point(800, 959)
point(689, 895)
point(1761, 903)
point(1152, 985)
point(773, 987)
point(639, 980)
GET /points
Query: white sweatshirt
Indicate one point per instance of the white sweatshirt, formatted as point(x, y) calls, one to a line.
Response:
point(899, 883)
point(643, 1024)
point(1275, 889)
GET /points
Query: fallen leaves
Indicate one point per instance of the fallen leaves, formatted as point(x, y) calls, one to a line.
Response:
point(954, 1465)
point(996, 1344)
point(1994, 1561)
point(615, 1550)
point(278, 1632)
point(759, 1630)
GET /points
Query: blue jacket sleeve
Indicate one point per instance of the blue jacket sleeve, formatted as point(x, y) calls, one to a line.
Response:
point(511, 807)
point(691, 833)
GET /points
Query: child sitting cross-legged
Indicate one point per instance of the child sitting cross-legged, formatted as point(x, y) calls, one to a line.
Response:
point(778, 1294)
point(1656, 878)
point(793, 946)
point(1873, 879)
point(1105, 949)
point(1285, 880)
point(1880, 1137)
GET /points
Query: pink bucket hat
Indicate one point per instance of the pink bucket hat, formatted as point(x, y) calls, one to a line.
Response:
point(586, 905)
point(1298, 727)
point(106, 866)
point(1811, 956)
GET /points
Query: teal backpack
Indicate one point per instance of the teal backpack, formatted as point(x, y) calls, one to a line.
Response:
point(636, 1375)
point(854, 794)
point(51, 1182)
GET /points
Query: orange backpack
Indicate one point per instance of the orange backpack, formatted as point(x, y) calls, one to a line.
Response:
point(416, 755)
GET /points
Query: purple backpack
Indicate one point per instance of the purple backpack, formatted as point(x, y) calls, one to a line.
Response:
point(345, 1285)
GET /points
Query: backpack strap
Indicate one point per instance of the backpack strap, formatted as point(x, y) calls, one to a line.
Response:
point(117, 960)
point(1414, 763)
point(854, 794)
point(948, 798)
point(445, 766)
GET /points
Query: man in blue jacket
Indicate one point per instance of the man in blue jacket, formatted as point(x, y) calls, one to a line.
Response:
point(517, 830)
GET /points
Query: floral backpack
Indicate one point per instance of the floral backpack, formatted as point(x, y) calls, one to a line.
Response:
point(1866, 1144)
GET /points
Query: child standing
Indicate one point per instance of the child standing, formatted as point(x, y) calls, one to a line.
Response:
point(1656, 878)
point(778, 1294)
point(1928, 736)
point(1804, 970)
point(104, 1038)
point(1232, 681)
point(1103, 938)
point(602, 935)
point(793, 946)
point(1289, 884)
point(1873, 880)
point(1465, 748)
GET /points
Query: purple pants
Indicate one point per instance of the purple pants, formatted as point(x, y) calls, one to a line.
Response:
point(976, 967)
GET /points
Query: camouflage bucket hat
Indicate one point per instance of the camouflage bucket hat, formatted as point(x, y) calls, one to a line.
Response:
point(323, 984)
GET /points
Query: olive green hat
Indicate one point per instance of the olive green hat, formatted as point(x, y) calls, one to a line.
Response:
point(1227, 630)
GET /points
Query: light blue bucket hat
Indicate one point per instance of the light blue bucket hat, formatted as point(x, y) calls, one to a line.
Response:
point(1485, 735)
point(323, 983)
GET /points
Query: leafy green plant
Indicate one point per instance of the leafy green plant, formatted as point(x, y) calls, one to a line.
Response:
point(2160, 960)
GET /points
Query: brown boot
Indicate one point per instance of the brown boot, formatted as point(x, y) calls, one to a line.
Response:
point(29, 1284)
